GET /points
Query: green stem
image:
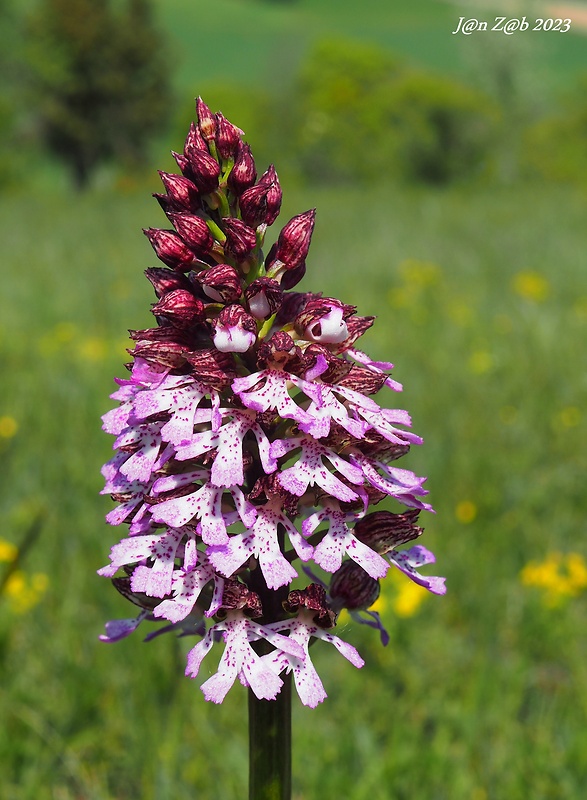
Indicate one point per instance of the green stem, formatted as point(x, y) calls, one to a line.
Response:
point(270, 745)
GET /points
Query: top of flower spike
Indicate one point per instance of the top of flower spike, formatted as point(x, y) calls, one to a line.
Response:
point(248, 426)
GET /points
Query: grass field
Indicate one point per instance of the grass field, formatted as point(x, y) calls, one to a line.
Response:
point(481, 695)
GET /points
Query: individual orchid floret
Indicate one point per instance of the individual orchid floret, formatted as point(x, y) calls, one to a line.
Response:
point(292, 245)
point(239, 660)
point(241, 240)
point(170, 248)
point(204, 169)
point(263, 297)
point(180, 307)
point(313, 617)
point(205, 504)
point(260, 204)
point(262, 542)
point(228, 137)
point(234, 330)
point(182, 193)
point(310, 470)
point(323, 320)
point(408, 562)
point(228, 440)
point(194, 232)
point(243, 174)
point(221, 283)
point(340, 540)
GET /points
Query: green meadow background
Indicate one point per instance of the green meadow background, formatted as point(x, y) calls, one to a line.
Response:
point(480, 290)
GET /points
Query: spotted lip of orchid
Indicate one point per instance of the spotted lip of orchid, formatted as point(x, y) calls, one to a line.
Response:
point(248, 446)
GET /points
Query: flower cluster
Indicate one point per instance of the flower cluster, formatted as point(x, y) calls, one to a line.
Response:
point(249, 407)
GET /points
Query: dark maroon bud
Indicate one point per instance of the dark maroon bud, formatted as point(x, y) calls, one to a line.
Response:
point(194, 231)
point(264, 297)
point(220, 283)
point(322, 320)
point(293, 243)
point(240, 239)
point(383, 530)
point(353, 588)
point(182, 162)
point(292, 277)
point(260, 204)
point(204, 170)
point(235, 331)
point(313, 598)
point(170, 248)
point(181, 191)
point(194, 142)
point(228, 136)
point(212, 367)
point(243, 174)
point(180, 307)
point(165, 280)
point(280, 352)
point(165, 346)
point(206, 120)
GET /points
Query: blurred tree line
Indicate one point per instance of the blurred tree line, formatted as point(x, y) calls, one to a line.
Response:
point(96, 79)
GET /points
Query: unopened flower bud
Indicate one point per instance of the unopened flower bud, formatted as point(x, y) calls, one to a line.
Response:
point(228, 136)
point(313, 598)
point(206, 120)
point(194, 231)
point(293, 242)
point(170, 248)
point(164, 346)
point(165, 280)
point(244, 174)
point(220, 283)
point(181, 191)
point(235, 331)
point(260, 204)
point(353, 588)
point(194, 141)
point(383, 530)
point(240, 239)
point(180, 307)
point(204, 170)
point(264, 297)
point(322, 320)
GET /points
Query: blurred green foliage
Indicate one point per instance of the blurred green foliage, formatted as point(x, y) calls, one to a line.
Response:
point(363, 114)
point(99, 81)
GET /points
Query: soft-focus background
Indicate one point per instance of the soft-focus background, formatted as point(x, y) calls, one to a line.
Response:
point(450, 177)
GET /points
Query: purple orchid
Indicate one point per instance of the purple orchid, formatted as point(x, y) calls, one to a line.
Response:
point(247, 438)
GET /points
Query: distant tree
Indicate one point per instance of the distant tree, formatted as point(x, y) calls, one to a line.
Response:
point(99, 79)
